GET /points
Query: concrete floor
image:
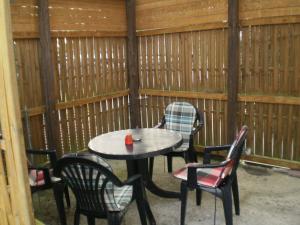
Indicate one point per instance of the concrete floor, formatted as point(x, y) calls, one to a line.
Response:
point(267, 197)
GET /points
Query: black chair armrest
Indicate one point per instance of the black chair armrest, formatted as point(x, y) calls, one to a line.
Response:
point(216, 148)
point(40, 152)
point(206, 166)
point(31, 167)
point(51, 153)
point(209, 149)
point(196, 129)
point(161, 124)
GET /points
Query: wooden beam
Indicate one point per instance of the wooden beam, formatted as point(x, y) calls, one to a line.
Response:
point(47, 75)
point(132, 61)
point(85, 101)
point(197, 27)
point(15, 198)
point(233, 67)
point(56, 34)
point(268, 99)
point(184, 94)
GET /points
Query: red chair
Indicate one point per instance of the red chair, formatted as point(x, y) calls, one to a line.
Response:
point(41, 176)
point(218, 179)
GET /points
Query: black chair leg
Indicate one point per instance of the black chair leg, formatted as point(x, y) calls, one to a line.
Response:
point(91, 220)
point(227, 204)
point(169, 161)
point(235, 192)
point(151, 163)
point(183, 193)
point(67, 196)
point(113, 219)
point(76, 217)
point(198, 196)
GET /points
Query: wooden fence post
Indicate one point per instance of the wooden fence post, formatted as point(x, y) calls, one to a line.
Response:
point(132, 61)
point(47, 76)
point(233, 67)
point(15, 199)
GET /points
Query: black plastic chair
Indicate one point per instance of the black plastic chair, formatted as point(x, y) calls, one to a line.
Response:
point(41, 177)
point(98, 192)
point(181, 117)
point(218, 179)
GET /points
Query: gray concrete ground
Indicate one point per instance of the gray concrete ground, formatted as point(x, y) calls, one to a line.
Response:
point(267, 197)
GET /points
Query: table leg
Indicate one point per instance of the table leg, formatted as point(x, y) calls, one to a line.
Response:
point(132, 169)
point(143, 169)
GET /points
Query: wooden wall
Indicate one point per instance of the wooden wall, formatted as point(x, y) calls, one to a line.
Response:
point(71, 18)
point(182, 56)
point(91, 75)
point(155, 16)
point(90, 69)
point(91, 88)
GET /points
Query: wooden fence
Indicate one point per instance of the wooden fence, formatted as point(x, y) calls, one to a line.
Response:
point(193, 66)
point(182, 56)
point(91, 89)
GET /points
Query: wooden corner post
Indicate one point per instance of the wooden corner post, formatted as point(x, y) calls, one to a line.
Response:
point(233, 67)
point(15, 199)
point(132, 61)
point(47, 75)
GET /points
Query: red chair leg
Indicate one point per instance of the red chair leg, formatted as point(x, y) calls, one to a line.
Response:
point(198, 196)
point(183, 193)
point(235, 192)
point(227, 204)
point(91, 220)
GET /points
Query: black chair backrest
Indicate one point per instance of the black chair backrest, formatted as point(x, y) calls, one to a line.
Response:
point(236, 149)
point(88, 180)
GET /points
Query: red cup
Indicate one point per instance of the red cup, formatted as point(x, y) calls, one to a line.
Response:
point(128, 139)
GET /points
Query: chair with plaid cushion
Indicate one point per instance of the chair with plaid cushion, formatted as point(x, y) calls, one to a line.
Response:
point(184, 118)
point(218, 179)
point(41, 176)
point(98, 192)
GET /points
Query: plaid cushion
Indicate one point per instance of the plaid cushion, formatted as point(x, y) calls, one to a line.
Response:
point(36, 177)
point(117, 198)
point(180, 117)
point(210, 177)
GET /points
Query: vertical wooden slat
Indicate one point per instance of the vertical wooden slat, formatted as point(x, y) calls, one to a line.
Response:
point(233, 66)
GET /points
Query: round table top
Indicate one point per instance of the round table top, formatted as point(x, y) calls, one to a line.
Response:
point(152, 142)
